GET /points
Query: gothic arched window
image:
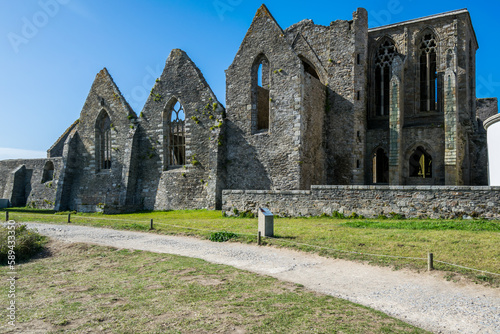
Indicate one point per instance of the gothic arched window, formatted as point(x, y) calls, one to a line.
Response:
point(103, 141)
point(260, 94)
point(428, 73)
point(380, 166)
point(420, 163)
point(174, 136)
point(383, 67)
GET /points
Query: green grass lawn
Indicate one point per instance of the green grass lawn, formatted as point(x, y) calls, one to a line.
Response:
point(468, 243)
point(80, 288)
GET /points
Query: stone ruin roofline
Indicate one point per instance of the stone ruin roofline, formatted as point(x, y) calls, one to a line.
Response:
point(430, 17)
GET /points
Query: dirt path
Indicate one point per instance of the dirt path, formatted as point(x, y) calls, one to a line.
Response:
point(425, 300)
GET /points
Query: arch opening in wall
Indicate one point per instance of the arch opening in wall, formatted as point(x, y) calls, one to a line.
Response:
point(174, 135)
point(429, 85)
point(420, 164)
point(383, 72)
point(103, 141)
point(380, 166)
point(48, 172)
point(309, 68)
point(260, 94)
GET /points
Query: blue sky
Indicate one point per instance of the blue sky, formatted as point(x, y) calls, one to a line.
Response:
point(51, 50)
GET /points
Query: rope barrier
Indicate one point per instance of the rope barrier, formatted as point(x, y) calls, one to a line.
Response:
point(280, 239)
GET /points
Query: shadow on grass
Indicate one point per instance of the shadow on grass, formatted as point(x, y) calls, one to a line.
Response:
point(286, 237)
point(29, 210)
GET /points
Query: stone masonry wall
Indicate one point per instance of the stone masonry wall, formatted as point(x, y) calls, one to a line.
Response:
point(197, 182)
point(313, 161)
point(92, 186)
point(456, 49)
point(371, 201)
point(22, 182)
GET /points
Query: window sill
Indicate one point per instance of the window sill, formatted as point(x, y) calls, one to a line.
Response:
point(174, 169)
point(261, 132)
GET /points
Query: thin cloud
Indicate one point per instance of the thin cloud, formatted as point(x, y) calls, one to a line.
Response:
point(16, 153)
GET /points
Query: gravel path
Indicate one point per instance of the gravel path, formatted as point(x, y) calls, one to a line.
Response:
point(425, 300)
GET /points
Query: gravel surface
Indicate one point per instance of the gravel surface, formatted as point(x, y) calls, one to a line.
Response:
point(423, 299)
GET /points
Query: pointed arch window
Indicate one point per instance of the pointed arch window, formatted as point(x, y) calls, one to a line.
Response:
point(383, 71)
point(174, 135)
point(260, 94)
point(48, 172)
point(428, 73)
point(103, 141)
point(308, 68)
point(380, 166)
point(420, 164)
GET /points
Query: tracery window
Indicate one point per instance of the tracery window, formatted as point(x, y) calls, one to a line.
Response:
point(420, 164)
point(428, 73)
point(103, 141)
point(383, 68)
point(174, 135)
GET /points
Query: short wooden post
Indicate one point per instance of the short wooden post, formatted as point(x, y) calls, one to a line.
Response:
point(151, 224)
point(6, 216)
point(430, 262)
point(69, 218)
point(259, 238)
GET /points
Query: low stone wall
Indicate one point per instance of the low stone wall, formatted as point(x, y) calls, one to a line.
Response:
point(371, 201)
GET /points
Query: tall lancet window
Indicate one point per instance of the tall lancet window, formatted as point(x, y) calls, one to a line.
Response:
point(383, 68)
point(260, 94)
point(174, 135)
point(428, 73)
point(103, 141)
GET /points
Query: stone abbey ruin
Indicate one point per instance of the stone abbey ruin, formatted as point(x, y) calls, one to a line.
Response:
point(317, 119)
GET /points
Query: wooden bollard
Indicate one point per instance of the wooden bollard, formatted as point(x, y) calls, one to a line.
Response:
point(69, 218)
point(430, 262)
point(151, 224)
point(6, 216)
point(259, 238)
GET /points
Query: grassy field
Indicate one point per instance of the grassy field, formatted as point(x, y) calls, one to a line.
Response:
point(79, 288)
point(468, 243)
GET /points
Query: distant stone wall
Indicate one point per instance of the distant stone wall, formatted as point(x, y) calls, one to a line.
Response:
point(371, 201)
point(30, 182)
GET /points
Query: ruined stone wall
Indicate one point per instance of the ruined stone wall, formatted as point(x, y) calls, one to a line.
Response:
point(371, 201)
point(25, 182)
point(92, 186)
point(313, 164)
point(197, 183)
point(456, 48)
point(282, 157)
point(268, 159)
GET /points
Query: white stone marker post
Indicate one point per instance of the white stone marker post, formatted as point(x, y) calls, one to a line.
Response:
point(266, 222)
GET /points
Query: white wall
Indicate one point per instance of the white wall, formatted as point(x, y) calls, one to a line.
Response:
point(492, 125)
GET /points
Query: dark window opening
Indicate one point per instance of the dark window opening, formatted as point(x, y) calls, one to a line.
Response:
point(428, 74)
point(383, 68)
point(310, 69)
point(48, 172)
point(380, 167)
point(420, 164)
point(358, 58)
point(174, 135)
point(103, 141)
